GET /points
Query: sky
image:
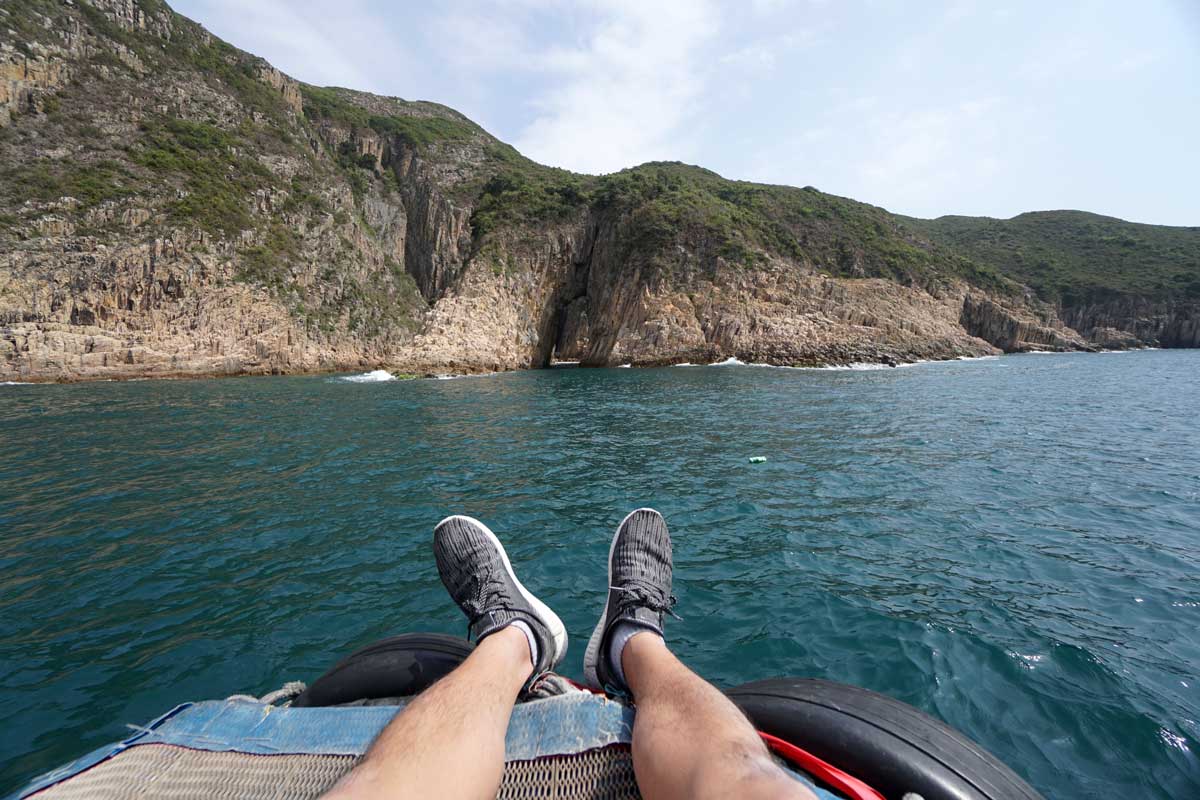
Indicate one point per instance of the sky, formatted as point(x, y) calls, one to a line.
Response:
point(926, 108)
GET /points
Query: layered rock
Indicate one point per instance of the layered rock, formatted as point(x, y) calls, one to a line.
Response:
point(571, 299)
point(171, 206)
point(620, 308)
point(1137, 322)
point(1015, 329)
point(25, 81)
point(164, 308)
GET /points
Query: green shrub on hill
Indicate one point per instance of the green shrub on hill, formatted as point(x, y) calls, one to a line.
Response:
point(267, 263)
point(418, 132)
point(521, 192)
point(209, 163)
point(48, 180)
point(1075, 257)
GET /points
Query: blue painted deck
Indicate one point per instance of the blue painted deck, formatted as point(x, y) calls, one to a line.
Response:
point(566, 724)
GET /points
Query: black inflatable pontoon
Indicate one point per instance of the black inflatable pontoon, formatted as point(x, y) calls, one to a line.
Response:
point(844, 741)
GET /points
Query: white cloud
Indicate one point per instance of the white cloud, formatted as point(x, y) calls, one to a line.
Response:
point(1058, 61)
point(923, 155)
point(1135, 62)
point(624, 94)
point(873, 100)
point(763, 54)
point(300, 38)
point(767, 7)
point(478, 37)
point(916, 147)
point(753, 58)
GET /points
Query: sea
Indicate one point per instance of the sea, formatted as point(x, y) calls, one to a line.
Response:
point(1010, 544)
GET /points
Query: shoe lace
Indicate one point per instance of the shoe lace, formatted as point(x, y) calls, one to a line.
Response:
point(640, 593)
point(486, 593)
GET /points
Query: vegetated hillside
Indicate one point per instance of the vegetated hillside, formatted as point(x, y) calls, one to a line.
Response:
point(1074, 257)
point(171, 205)
point(165, 210)
point(743, 221)
point(1124, 284)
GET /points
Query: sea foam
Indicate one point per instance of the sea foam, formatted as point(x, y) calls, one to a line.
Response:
point(375, 376)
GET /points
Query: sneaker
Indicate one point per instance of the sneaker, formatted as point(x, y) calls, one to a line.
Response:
point(639, 590)
point(475, 570)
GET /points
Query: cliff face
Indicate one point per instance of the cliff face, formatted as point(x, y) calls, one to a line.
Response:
point(170, 205)
point(1119, 284)
point(577, 292)
point(1133, 321)
point(696, 307)
point(158, 219)
point(1017, 330)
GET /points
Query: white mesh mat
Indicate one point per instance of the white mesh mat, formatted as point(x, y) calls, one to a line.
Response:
point(167, 772)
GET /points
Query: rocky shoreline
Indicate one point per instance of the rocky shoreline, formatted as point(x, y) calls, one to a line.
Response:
point(408, 372)
point(172, 207)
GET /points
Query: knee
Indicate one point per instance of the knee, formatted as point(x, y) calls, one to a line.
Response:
point(745, 772)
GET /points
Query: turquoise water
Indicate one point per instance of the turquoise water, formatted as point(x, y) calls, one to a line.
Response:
point(1012, 544)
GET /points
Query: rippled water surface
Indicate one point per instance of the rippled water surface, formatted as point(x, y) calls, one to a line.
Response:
point(1012, 545)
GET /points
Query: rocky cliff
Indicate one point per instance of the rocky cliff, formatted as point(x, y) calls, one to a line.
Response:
point(170, 205)
point(1119, 284)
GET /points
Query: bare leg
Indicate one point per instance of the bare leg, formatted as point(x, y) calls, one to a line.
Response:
point(449, 742)
point(689, 740)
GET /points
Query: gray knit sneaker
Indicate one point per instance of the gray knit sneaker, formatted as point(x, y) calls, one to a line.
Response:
point(639, 591)
point(475, 570)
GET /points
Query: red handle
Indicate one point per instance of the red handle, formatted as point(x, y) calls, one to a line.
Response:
point(848, 785)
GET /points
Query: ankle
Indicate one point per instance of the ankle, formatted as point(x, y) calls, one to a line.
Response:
point(512, 648)
point(644, 651)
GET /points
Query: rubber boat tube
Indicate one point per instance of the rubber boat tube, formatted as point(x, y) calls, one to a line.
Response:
point(398, 666)
point(888, 745)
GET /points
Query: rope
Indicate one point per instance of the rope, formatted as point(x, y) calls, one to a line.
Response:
point(288, 691)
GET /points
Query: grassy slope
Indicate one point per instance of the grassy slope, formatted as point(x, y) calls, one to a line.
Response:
point(199, 173)
point(214, 165)
point(1063, 255)
point(1076, 257)
point(1060, 254)
point(737, 220)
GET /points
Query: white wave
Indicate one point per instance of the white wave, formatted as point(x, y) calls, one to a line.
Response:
point(563, 363)
point(624, 366)
point(733, 362)
point(684, 364)
point(955, 360)
point(375, 376)
point(16, 383)
point(860, 366)
point(466, 375)
point(1028, 660)
point(856, 366)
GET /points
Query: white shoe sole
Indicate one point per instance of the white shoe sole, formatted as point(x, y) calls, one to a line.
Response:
point(591, 655)
point(558, 631)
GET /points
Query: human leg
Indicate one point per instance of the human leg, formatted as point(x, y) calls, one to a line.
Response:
point(449, 742)
point(689, 740)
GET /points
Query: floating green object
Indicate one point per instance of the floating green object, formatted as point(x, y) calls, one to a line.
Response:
point(757, 459)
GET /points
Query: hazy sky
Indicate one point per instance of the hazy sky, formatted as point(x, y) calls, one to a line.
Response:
point(925, 108)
